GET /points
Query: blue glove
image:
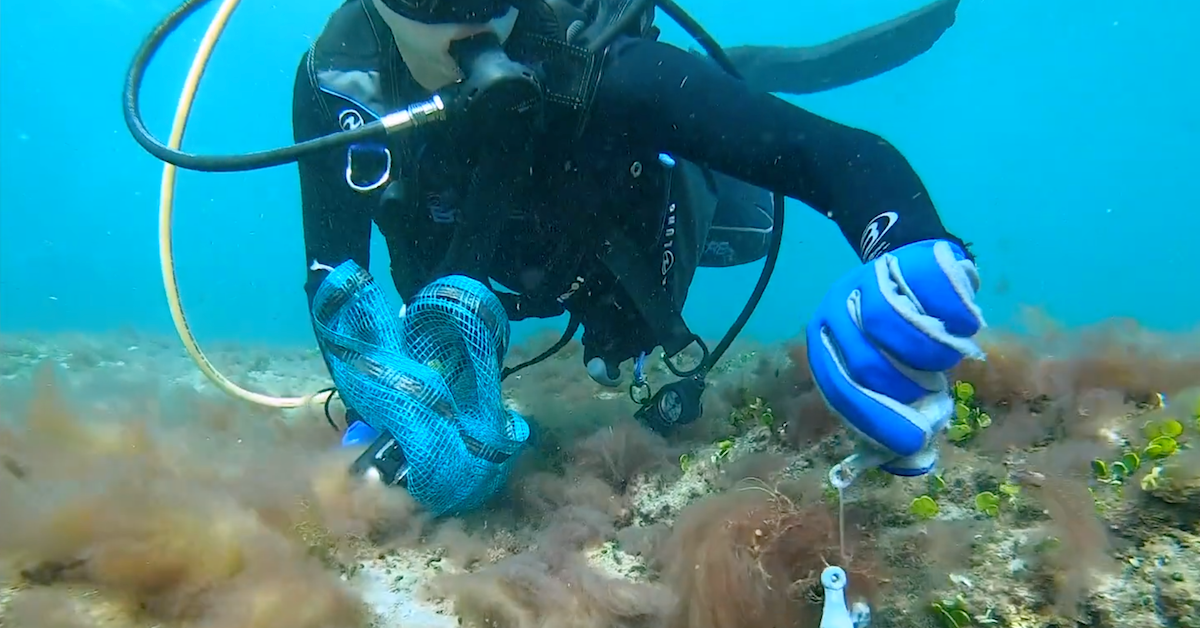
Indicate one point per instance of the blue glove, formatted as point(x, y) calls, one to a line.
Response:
point(882, 341)
point(358, 434)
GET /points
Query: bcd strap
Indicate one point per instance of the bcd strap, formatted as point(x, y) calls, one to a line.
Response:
point(553, 37)
point(628, 264)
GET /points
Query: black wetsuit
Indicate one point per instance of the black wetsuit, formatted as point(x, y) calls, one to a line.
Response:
point(652, 98)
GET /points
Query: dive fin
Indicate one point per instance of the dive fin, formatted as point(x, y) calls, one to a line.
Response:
point(846, 60)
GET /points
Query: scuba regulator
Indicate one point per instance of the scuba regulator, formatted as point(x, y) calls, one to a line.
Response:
point(494, 84)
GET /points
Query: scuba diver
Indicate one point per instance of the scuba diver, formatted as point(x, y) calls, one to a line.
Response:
point(644, 163)
point(530, 158)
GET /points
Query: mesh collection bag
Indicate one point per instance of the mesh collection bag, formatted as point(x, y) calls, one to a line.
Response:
point(430, 379)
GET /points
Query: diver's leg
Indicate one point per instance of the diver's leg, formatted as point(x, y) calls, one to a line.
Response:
point(845, 60)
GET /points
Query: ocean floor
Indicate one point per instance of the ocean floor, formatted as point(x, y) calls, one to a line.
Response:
point(133, 493)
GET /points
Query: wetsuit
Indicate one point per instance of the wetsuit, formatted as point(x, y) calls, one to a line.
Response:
point(651, 99)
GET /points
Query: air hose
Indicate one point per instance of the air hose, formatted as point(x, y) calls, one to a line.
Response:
point(166, 214)
point(170, 152)
point(173, 159)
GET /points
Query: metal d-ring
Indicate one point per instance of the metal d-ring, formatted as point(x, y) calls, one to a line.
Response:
point(702, 367)
point(383, 177)
point(640, 393)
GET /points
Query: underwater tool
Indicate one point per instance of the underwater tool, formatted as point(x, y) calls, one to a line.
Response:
point(844, 473)
point(383, 461)
point(835, 613)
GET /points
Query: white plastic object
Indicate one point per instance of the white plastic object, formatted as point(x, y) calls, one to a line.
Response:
point(841, 475)
point(835, 613)
point(844, 473)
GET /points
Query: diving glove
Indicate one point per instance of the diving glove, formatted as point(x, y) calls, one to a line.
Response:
point(882, 341)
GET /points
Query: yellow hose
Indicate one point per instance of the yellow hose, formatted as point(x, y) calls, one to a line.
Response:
point(166, 209)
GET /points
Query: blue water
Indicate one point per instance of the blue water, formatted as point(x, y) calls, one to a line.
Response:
point(1056, 136)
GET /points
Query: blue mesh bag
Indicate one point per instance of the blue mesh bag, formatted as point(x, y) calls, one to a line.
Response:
point(431, 379)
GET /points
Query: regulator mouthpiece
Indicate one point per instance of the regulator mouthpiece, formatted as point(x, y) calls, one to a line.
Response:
point(493, 82)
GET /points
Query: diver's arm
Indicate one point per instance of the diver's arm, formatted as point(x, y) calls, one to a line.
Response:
point(678, 103)
point(855, 57)
point(337, 220)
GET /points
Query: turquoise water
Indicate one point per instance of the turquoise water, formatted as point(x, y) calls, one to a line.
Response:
point(1056, 136)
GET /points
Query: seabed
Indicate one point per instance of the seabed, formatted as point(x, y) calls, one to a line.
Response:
point(133, 494)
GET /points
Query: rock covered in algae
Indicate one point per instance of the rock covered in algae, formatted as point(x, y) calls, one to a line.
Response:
point(1177, 481)
point(1160, 585)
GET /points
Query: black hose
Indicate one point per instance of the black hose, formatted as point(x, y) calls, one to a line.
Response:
point(714, 50)
point(637, 8)
point(216, 163)
point(764, 279)
point(698, 32)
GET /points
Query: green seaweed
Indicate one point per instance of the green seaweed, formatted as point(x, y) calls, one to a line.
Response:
point(685, 462)
point(988, 503)
point(756, 411)
point(1132, 462)
point(952, 613)
point(1168, 428)
point(1161, 447)
point(1116, 473)
point(923, 507)
point(937, 484)
point(964, 391)
point(968, 417)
